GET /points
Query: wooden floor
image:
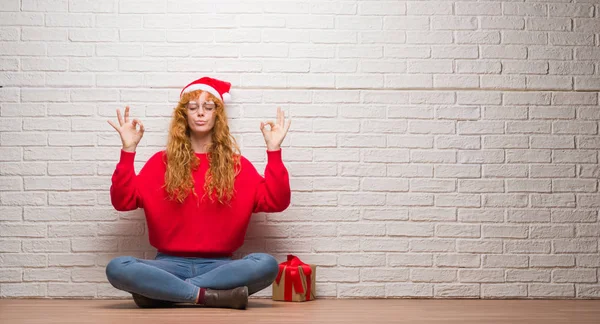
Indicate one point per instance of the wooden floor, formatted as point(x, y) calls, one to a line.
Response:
point(368, 311)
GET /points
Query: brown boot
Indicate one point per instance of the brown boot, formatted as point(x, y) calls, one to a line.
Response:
point(230, 298)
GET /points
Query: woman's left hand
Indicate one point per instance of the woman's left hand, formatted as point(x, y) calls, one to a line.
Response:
point(274, 137)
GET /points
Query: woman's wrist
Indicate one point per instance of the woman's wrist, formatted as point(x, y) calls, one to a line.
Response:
point(130, 149)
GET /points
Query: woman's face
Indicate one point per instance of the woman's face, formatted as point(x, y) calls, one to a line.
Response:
point(201, 114)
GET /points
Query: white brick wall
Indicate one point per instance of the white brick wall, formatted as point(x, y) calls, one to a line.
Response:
point(438, 148)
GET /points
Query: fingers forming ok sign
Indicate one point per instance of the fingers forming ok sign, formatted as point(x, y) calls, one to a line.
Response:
point(127, 129)
point(274, 137)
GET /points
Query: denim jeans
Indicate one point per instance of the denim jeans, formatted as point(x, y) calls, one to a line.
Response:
point(178, 279)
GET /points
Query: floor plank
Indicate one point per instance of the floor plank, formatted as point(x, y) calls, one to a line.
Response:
point(369, 311)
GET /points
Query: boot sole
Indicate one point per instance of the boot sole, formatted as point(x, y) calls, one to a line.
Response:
point(145, 302)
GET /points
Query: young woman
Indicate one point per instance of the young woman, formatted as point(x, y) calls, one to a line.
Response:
point(198, 196)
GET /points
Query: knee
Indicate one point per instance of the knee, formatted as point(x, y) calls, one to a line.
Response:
point(114, 268)
point(268, 265)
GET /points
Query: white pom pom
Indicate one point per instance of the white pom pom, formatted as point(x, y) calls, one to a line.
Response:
point(226, 97)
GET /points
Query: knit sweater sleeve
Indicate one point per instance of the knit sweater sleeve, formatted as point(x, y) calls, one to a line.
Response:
point(273, 192)
point(125, 188)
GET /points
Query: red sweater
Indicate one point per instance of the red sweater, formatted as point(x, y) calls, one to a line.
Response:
point(207, 229)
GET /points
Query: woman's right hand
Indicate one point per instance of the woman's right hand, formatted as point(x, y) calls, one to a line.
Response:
point(130, 136)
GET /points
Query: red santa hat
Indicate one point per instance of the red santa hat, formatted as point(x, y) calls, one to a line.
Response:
point(217, 88)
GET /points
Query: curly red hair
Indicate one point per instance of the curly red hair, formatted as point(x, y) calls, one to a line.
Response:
point(223, 156)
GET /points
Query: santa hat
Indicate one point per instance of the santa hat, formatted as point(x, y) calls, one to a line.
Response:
point(217, 88)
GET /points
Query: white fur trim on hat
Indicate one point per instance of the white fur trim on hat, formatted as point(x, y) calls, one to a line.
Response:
point(205, 87)
point(226, 97)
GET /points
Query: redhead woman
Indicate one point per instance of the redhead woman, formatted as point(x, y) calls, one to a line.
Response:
point(198, 196)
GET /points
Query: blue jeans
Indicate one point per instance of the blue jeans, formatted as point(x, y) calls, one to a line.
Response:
point(178, 279)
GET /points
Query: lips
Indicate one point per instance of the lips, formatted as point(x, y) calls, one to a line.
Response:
point(200, 123)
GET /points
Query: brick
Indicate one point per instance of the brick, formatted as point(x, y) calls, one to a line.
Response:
point(551, 290)
point(456, 81)
point(410, 260)
point(458, 260)
point(575, 246)
point(528, 216)
point(570, 98)
point(550, 82)
point(405, 22)
point(550, 24)
point(453, 290)
point(478, 67)
point(524, 98)
point(528, 156)
point(458, 142)
point(503, 290)
point(505, 141)
point(531, 275)
point(480, 215)
point(432, 214)
point(409, 290)
point(522, 67)
point(529, 246)
point(428, 37)
point(504, 113)
point(549, 52)
point(432, 245)
point(480, 127)
point(429, 8)
point(477, 246)
point(481, 276)
point(432, 275)
point(553, 200)
point(454, 23)
point(457, 230)
point(508, 81)
point(550, 171)
point(481, 156)
point(525, 9)
point(572, 185)
point(23, 290)
point(505, 171)
point(502, 23)
point(479, 9)
point(552, 112)
point(384, 245)
point(409, 229)
point(505, 200)
point(377, 8)
point(524, 37)
point(480, 185)
point(504, 231)
point(552, 261)
point(570, 10)
point(573, 39)
point(587, 83)
point(457, 171)
point(384, 274)
point(410, 141)
point(573, 215)
point(477, 37)
point(505, 261)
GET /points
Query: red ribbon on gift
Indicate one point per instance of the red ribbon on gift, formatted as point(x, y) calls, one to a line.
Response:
point(292, 277)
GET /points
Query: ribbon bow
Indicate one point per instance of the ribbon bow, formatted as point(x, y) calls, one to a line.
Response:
point(292, 277)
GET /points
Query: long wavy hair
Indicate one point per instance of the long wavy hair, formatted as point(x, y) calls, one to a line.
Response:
point(223, 156)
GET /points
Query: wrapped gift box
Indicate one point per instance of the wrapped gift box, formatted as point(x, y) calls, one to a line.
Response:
point(295, 281)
